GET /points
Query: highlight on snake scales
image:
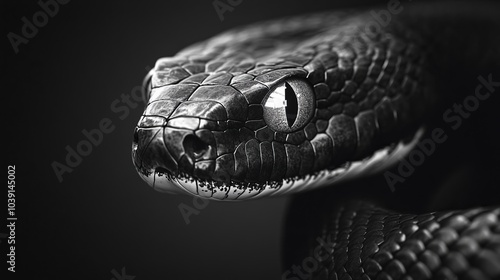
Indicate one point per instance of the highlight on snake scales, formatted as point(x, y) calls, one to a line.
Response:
point(377, 124)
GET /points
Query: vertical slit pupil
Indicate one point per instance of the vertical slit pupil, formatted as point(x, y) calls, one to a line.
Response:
point(292, 106)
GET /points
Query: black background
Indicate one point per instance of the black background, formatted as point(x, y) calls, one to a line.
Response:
point(102, 216)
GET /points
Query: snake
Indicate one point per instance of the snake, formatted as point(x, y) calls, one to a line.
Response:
point(324, 108)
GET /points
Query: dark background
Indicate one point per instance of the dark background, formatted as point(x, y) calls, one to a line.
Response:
point(102, 216)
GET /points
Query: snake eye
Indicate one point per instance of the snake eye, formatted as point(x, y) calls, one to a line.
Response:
point(289, 105)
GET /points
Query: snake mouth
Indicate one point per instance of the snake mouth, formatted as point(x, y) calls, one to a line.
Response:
point(190, 172)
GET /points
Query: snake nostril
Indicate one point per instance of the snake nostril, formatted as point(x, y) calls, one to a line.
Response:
point(194, 146)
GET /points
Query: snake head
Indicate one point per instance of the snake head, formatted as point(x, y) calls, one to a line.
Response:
point(223, 133)
point(257, 113)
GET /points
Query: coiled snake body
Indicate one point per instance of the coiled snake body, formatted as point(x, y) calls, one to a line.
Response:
point(333, 99)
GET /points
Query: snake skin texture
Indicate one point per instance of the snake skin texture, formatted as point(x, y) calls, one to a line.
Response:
point(363, 100)
point(363, 241)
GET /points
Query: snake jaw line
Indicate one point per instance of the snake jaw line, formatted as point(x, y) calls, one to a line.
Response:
point(164, 181)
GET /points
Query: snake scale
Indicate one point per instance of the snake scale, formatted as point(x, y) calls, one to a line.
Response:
point(334, 99)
